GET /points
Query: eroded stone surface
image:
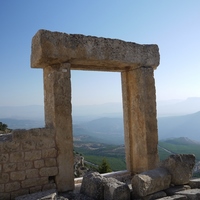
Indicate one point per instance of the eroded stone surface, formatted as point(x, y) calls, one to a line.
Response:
point(150, 182)
point(114, 189)
point(90, 53)
point(98, 187)
point(93, 186)
point(180, 167)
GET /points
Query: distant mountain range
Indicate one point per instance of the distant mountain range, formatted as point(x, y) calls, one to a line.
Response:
point(89, 112)
point(105, 122)
point(178, 107)
point(112, 130)
point(180, 126)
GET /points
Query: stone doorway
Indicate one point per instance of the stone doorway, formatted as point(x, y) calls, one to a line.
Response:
point(98, 115)
point(59, 53)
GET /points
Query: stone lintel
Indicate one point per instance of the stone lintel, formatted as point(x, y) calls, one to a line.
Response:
point(90, 53)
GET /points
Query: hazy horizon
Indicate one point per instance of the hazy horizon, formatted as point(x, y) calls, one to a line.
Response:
point(164, 108)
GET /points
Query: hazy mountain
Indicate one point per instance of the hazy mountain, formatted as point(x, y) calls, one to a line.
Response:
point(97, 110)
point(106, 130)
point(178, 107)
point(105, 125)
point(33, 112)
point(89, 112)
point(180, 126)
point(105, 121)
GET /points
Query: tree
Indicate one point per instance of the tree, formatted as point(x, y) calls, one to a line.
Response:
point(104, 167)
point(4, 128)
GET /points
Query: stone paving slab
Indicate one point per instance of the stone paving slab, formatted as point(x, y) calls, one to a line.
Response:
point(45, 195)
point(195, 183)
point(192, 194)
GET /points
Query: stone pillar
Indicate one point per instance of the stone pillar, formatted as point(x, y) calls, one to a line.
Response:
point(140, 123)
point(58, 115)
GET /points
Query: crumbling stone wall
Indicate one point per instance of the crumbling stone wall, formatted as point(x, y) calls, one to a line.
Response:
point(27, 162)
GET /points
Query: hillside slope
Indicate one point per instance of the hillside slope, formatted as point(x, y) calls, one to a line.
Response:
point(180, 126)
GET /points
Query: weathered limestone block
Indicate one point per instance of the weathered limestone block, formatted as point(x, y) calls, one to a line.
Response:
point(11, 146)
point(33, 155)
point(140, 124)
point(9, 167)
point(96, 186)
point(195, 183)
point(50, 162)
point(180, 167)
point(49, 153)
point(115, 190)
point(12, 186)
point(28, 145)
point(17, 157)
point(48, 171)
point(58, 109)
point(193, 194)
point(34, 182)
point(45, 143)
point(17, 176)
point(1, 188)
point(4, 158)
point(150, 182)
point(39, 163)
point(19, 135)
point(32, 173)
point(82, 52)
point(4, 178)
point(24, 165)
point(93, 186)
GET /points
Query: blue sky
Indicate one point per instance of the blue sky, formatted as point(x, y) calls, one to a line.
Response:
point(173, 25)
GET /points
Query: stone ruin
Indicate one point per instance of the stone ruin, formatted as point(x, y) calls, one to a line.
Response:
point(41, 159)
